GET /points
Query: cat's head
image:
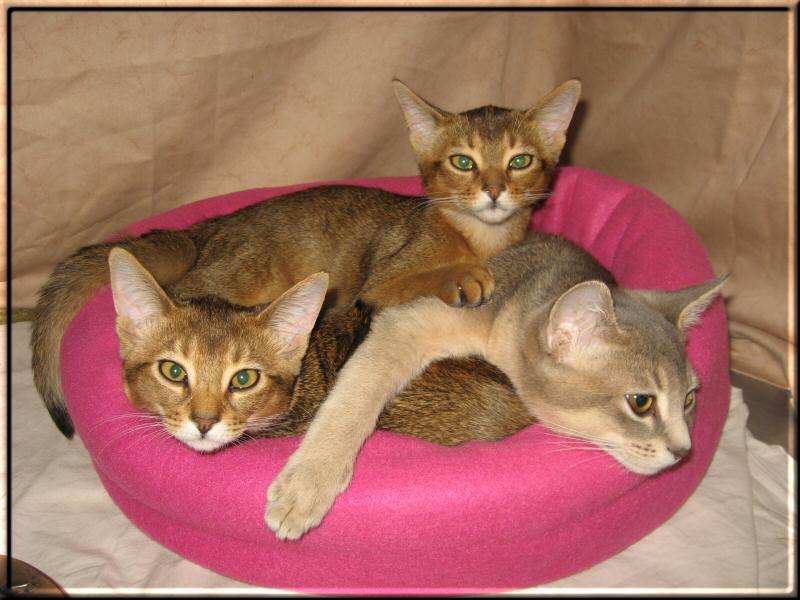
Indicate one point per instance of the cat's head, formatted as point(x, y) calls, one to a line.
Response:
point(211, 370)
point(488, 162)
point(617, 371)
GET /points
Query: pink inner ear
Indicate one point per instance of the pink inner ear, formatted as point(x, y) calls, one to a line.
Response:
point(135, 299)
point(296, 312)
point(579, 315)
point(554, 117)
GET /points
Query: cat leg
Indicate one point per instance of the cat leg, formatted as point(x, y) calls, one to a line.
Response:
point(244, 288)
point(402, 342)
point(460, 284)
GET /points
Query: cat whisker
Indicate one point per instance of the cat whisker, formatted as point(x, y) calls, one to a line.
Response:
point(158, 426)
point(575, 435)
point(535, 194)
point(583, 443)
point(149, 437)
point(146, 436)
point(136, 415)
point(615, 464)
point(260, 423)
point(588, 449)
point(577, 446)
point(244, 437)
point(559, 428)
point(587, 460)
point(435, 195)
point(576, 443)
point(439, 202)
point(527, 201)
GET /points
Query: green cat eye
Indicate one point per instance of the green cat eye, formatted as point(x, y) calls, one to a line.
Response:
point(641, 404)
point(520, 161)
point(172, 371)
point(689, 402)
point(246, 378)
point(462, 162)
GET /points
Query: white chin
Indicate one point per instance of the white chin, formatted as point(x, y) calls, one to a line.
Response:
point(493, 215)
point(204, 444)
point(643, 469)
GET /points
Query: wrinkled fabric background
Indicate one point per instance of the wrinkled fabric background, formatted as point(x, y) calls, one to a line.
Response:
point(119, 115)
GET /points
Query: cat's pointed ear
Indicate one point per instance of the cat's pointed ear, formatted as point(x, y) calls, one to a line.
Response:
point(581, 318)
point(292, 316)
point(553, 113)
point(423, 118)
point(683, 307)
point(138, 299)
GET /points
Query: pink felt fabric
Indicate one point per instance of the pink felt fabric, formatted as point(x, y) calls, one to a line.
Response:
point(417, 518)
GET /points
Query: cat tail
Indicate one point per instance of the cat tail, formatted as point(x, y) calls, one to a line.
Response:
point(166, 254)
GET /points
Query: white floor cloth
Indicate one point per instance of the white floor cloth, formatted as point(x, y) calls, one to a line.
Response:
point(735, 534)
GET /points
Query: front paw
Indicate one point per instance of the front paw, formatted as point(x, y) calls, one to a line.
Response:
point(467, 285)
point(301, 495)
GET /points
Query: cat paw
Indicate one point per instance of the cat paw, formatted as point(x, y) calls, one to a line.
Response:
point(470, 285)
point(301, 495)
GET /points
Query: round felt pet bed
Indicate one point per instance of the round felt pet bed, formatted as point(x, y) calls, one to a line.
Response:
point(417, 517)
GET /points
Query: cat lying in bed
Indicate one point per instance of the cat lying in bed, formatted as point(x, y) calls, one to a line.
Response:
point(586, 357)
point(217, 373)
point(589, 360)
point(483, 172)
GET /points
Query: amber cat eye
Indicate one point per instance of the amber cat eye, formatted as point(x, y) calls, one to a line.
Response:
point(520, 161)
point(172, 371)
point(641, 404)
point(246, 378)
point(689, 402)
point(462, 162)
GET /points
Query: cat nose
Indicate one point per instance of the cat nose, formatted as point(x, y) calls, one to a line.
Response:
point(494, 191)
point(204, 423)
point(679, 453)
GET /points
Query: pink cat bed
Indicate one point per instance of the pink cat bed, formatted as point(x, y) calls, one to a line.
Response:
point(417, 517)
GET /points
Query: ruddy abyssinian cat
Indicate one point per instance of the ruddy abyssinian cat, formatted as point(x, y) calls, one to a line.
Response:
point(215, 373)
point(483, 171)
point(586, 357)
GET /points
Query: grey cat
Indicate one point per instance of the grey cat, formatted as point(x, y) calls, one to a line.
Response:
point(587, 358)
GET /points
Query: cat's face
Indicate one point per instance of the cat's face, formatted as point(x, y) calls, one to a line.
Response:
point(488, 162)
point(213, 372)
point(618, 374)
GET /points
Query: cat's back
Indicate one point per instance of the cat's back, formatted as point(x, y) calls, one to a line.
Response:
point(329, 205)
point(542, 265)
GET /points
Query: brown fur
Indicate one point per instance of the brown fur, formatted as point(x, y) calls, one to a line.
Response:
point(210, 339)
point(384, 248)
point(209, 342)
point(453, 401)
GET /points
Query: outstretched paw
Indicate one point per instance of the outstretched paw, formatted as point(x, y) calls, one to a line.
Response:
point(467, 285)
point(301, 495)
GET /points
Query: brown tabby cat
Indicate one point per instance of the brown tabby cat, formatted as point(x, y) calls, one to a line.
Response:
point(587, 358)
point(215, 372)
point(483, 171)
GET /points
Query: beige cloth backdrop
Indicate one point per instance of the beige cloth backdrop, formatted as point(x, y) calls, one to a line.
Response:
point(119, 115)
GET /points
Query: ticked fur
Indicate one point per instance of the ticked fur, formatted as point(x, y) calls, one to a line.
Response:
point(208, 343)
point(382, 248)
point(293, 360)
point(582, 354)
